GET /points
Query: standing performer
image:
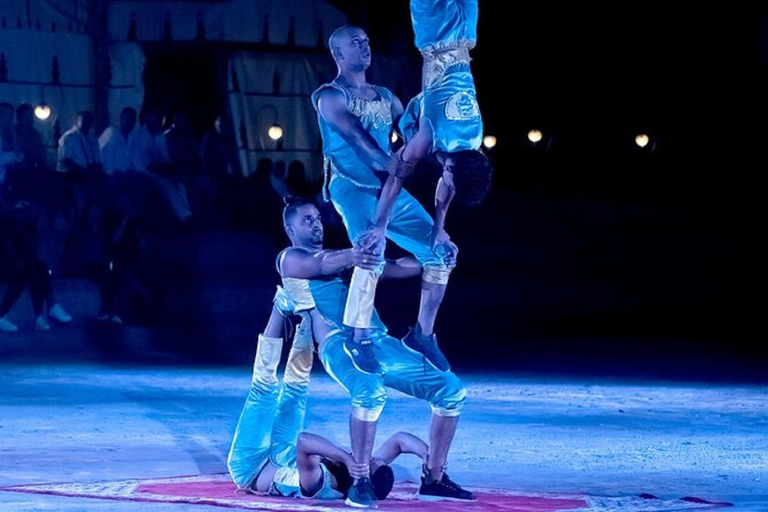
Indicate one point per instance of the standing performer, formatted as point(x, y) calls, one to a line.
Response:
point(314, 281)
point(356, 120)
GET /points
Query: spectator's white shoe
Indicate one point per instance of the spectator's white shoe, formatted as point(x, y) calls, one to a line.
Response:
point(57, 313)
point(6, 325)
point(41, 324)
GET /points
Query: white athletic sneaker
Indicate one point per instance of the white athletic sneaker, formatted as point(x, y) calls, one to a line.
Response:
point(57, 313)
point(6, 325)
point(41, 324)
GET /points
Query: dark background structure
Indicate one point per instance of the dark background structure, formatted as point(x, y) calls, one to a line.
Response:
point(590, 253)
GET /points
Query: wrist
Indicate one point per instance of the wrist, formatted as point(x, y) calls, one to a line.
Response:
point(399, 166)
point(406, 156)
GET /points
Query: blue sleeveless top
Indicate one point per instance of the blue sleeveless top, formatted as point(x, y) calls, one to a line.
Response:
point(340, 159)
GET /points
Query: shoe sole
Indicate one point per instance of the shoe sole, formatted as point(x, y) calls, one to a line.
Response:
point(405, 345)
point(354, 363)
point(350, 503)
point(427, 497)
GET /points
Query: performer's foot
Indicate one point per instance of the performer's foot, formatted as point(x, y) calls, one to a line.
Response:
point(7, 326)
point(361, 494)
point(57, 313)
point(443, 489)
point(361, 354)
point(41, 324)
point(426, 346)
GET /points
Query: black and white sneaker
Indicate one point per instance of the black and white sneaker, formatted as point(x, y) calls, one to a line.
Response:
point(426, 346)
point(443, 489)
point(361, 494)
point(361, 354)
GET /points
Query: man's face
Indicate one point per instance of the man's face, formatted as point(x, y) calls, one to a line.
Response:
point(307, 226)
point(355, 50)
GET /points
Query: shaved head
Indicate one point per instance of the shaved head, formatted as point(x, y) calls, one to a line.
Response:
point(339, 34)
point(349, 42)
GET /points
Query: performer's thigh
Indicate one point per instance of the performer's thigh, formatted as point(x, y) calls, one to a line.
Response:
point(356, 206)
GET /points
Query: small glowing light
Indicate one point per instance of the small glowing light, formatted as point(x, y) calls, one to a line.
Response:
point(534, 136)
point(42, 111)
point(641, 140)
point(489, 141)
point(393, 138)
point(275, 132)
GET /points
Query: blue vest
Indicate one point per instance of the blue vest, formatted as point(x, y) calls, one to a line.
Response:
point(328, 293)
point(340, 159)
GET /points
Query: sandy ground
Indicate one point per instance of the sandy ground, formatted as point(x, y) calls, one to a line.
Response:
point(520, 432)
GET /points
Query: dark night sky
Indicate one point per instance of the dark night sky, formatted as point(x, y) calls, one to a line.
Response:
point(666, 69)
point(692, 77)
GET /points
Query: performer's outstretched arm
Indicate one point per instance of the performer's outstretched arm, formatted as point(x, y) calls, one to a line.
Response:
point(443, 197)
point(398, 444)
point(400, 167)
point(304, 265)
point(310, 448)
point(402, 268)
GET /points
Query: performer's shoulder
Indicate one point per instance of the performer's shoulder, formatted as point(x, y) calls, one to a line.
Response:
point(289, 252)
point(384, 91)
point(331, 88)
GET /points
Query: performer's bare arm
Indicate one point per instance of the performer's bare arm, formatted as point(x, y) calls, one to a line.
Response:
point(303, 264)
point(332, 105)
point(311, 449)
point(416, 149)
point(401, 268)
point(275, 325)
point(443, 197)
point(398, 444)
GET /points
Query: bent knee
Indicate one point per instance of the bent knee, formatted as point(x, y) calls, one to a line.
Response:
point(451, 399)
point(368, 407)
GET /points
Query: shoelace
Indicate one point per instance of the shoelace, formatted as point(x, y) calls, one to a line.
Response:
point(367, 347)
point(422, 345)
point(447, 482)
point(367, 487)
point(429, 342)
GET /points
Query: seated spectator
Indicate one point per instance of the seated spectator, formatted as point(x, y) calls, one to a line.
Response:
point(20, 267)
point(114, 144)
